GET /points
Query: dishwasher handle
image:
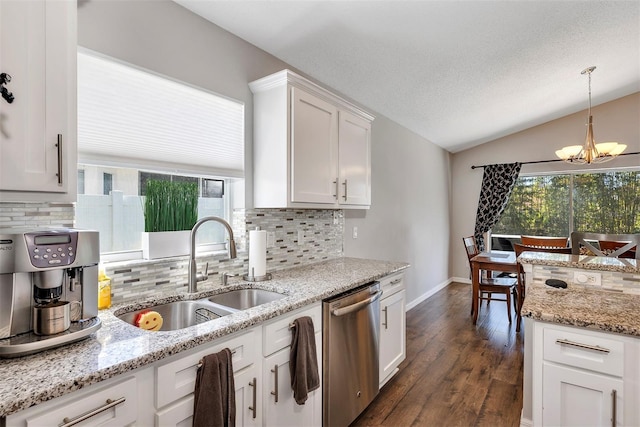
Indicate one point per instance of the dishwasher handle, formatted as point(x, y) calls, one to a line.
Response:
point(357, 306)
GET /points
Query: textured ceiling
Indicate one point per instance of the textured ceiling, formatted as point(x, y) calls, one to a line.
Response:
point(458, 73)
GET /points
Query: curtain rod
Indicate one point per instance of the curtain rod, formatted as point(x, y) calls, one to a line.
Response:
point(549, 161)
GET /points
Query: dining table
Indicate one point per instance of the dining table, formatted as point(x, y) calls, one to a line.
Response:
point(503, 261)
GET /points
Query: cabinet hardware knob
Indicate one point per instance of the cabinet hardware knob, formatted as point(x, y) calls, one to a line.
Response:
point(385, 317)
point(255, 397)
point(275, 374)
point(614, 413)
point(68, 422)
point(585, 346)
point(59, 146)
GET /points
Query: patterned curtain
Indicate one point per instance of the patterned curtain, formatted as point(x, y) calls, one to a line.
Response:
point(497, 183)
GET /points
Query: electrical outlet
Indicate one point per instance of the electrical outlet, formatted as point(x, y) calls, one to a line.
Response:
point(587, 278)
point(336, 218)
point(355, 232)
point(271, 239)
point(300, 237)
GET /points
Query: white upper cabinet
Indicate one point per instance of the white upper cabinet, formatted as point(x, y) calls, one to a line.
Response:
point(38, 128)
point(312, 149)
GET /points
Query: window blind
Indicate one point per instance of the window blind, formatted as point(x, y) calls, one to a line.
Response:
point(132, 118)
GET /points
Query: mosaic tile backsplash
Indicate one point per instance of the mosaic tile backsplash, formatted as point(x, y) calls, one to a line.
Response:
point(321, 232)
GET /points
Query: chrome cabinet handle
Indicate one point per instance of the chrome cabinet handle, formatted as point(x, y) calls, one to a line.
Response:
point(345, 190)
point(275, 374)
point(614, 414)
point(385, 317)
point(336, 184)
point(68, 422)
point(354, 307)
point(395, 282)
point(586, 346)
point(59, 145)
point(253, 408)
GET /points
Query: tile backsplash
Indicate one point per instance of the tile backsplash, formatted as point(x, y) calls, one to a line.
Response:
point(321, 231)
point(31, 215)
point(610, 280)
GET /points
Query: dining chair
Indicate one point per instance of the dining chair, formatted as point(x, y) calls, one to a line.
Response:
point(518, 248)
point(544, 242)
point(491, 285)
point(583, 243)
point(610, 247)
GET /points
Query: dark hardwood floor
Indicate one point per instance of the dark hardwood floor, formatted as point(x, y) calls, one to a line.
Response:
point(455, 373)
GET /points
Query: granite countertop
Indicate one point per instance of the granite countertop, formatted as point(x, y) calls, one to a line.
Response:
point(119, 347)
point(622, 265)
point(585, 307)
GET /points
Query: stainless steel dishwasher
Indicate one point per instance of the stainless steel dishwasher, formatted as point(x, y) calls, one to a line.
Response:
point(351, 332)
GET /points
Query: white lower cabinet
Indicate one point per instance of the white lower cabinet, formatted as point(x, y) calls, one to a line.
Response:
point(162, 394)
point(280, 408)
point(176, 380)
point(112, 403)
point(584, 378)
point(248, 390)
point(392, 326)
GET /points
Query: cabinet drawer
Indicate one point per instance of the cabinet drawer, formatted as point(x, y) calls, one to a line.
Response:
point(586, 350)
point(391, 284)
point(113, 405)
point(178, 378)
point(277, 335)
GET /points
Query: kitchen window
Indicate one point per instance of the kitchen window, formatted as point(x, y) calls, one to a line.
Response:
point(556, 205)
point(135, 125)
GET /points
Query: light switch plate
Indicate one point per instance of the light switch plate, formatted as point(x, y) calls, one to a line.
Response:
point(300, 237)
point(271, 239)
point(590, 278)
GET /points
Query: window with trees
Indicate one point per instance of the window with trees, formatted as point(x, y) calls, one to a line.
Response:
point(556, 205)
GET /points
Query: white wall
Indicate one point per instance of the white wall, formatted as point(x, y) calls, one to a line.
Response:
point(409, 219)
point(409, 215)
point(617, 120)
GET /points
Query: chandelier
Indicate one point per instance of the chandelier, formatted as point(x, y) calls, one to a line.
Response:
point(590, 152)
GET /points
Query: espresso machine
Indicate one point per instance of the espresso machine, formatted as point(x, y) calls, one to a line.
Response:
point(48, 288)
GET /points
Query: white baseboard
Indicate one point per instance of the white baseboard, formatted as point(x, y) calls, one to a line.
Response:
point(426, 295)
point(525, 422)
point(461, 280)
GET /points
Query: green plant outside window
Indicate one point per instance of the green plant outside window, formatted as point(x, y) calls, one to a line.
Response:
point(170, 206)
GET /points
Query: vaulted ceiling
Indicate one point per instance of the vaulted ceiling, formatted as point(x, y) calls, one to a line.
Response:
point(458, 73)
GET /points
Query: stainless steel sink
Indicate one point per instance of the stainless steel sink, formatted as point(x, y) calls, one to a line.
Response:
point(180, 314)
point(242, 299)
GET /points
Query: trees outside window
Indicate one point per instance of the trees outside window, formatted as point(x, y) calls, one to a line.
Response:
point(556, 205)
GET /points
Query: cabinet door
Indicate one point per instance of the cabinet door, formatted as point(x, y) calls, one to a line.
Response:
point(392, 334)
point(35, 52)
point(314, 155)
point(248, 402)
point(286, 412)
point(573, 397)
point(180, 413)
point(354, 139)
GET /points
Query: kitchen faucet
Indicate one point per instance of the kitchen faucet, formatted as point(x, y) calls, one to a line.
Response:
point(192, 285)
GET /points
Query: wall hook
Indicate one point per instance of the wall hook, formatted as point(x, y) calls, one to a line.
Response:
point(4, 79)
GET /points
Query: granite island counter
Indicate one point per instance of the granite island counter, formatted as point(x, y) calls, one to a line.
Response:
point(118, 347)
point(583, 340)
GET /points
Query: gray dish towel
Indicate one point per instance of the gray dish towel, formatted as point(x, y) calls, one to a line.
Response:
point(214, 402)
point(303, 360)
